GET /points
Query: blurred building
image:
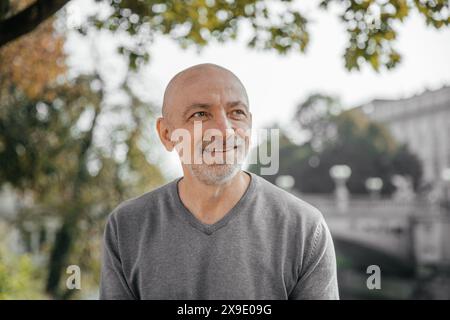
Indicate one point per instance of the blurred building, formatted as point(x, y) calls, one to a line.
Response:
point(422, 122)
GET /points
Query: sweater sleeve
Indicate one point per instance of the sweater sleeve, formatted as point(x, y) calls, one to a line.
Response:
point(113, 283)
point(318, 277)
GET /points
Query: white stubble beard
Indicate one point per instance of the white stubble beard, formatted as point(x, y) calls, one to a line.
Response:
point(216, 174)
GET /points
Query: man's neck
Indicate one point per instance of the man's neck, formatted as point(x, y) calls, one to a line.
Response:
point(210, 203)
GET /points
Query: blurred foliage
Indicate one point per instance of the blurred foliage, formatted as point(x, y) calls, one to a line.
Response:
point(333, 136)
point(19, 279)
point(60, 145)
point(59, 152)
point(51, 151)
point(32, 69)
point(19, 276)
point(371, 25)
point(196, 23)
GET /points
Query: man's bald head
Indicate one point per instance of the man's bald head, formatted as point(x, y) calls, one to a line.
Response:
point(196, 73)
point(215, 98)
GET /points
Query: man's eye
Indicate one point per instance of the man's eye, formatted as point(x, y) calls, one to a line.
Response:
point(199, 114)
point(238, 112)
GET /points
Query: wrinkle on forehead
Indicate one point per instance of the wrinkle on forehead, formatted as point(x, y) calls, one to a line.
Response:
point(189, 75)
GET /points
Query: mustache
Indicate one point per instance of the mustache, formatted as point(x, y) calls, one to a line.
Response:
point(229, 144)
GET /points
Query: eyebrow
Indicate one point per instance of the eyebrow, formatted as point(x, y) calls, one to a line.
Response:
point(207, 106)
point(195, 106)
point(236, 103)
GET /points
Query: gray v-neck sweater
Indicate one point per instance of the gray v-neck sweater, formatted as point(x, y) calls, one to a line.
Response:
point(271, 245)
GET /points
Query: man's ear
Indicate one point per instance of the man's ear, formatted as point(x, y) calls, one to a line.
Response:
point(164, 133)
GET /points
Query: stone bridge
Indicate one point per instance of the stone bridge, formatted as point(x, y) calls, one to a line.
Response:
point(413, 231)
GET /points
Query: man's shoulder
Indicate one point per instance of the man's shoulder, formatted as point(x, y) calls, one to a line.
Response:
point(139, 206)
point(288, 205)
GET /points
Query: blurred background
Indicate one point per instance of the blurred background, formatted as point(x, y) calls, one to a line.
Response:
point(359, 89)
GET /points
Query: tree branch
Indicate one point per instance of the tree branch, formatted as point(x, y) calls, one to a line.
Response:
point(28, 19)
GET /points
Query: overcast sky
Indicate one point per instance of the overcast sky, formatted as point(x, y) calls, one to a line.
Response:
point(276, 84)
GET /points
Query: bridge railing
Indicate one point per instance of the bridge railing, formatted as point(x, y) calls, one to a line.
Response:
point(413, 228)
point(367, 206)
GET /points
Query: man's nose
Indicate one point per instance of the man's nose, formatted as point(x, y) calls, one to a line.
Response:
point(223, 124)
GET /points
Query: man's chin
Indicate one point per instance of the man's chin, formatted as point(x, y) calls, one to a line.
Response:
point(215, 174)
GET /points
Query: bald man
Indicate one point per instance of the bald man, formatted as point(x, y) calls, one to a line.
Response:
point(217, 232)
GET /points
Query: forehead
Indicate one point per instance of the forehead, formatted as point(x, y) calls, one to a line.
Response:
point(208, 86)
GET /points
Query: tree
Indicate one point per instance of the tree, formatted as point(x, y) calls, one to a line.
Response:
point(32, 62)
point(50, 154)
point(16, 22)
point(370, 24)
point(52, 151)
point(314, 116)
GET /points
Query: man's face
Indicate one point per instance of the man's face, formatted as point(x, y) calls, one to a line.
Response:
point(212, 107)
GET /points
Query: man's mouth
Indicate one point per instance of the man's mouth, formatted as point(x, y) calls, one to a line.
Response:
point(220, 150)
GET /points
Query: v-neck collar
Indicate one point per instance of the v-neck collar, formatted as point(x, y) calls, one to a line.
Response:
point(211, 228)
